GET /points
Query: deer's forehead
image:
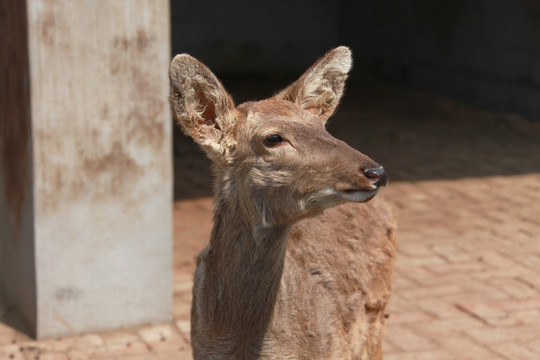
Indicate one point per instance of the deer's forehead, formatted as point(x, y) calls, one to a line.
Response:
point(274, 113)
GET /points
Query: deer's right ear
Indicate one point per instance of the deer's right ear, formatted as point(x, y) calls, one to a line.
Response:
point(202, 107)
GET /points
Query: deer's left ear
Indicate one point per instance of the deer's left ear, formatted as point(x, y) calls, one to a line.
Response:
point(321, 87)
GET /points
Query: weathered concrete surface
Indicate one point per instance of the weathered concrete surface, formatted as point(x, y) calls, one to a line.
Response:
point(101, 145)
point(17, 268)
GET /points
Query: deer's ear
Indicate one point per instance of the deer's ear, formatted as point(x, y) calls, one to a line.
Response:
point(321, 87)
point(202, 107)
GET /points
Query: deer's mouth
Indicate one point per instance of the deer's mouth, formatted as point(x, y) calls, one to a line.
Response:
point(358, 195)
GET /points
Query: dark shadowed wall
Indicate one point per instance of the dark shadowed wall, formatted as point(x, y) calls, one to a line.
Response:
point(243, 36)
point(483, 52)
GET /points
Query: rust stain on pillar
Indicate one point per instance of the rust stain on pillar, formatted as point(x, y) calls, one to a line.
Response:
point(14, 105)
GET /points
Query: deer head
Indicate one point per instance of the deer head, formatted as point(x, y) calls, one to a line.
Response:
point(274, 158)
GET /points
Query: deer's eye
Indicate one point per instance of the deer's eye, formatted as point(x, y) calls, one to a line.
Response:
point(272, 140)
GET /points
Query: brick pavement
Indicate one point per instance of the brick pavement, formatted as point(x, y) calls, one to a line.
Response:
point(466, 285)
point(466, 191)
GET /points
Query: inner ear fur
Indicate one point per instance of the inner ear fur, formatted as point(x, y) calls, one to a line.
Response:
point(320, 88)
point(202, 107)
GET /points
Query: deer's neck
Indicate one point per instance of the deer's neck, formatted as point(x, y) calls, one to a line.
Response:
point(243, 266)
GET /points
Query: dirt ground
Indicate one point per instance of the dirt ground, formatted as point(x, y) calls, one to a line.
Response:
point(465, 187)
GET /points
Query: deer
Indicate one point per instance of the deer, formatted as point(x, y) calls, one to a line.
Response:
point(299, 261)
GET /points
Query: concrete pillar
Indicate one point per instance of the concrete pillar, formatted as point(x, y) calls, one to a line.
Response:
point(85, 163)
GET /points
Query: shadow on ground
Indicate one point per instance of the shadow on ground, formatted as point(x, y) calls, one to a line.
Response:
point(416, 136)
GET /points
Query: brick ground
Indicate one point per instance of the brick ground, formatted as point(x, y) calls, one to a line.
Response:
point(466, 191)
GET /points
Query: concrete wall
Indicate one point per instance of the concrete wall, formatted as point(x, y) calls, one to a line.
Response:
point(243, 36)
point(17, 268)
point(85, 176)
point(484, 52)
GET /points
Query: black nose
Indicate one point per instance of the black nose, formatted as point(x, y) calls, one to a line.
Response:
point(377, 176)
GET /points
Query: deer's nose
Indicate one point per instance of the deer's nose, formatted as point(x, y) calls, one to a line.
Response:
point(377, 176)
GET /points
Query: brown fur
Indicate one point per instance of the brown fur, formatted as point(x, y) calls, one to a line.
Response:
point(292, 271)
